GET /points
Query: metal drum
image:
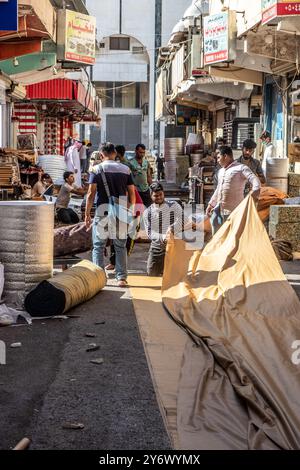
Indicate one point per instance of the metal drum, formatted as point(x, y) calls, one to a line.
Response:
point(174, 147)
point(196, 158)
point(277, 173)
point(26, 246)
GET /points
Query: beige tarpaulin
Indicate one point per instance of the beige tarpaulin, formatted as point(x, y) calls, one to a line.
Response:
point(239, 388)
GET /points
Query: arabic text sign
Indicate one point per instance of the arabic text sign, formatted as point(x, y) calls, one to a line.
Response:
point(80, 37)
point(277, 8)
point(8, 15)
point(216, 38)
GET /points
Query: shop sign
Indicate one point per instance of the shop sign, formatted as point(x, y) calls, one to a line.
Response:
point(186, 116)
point(76, 37)
point(216, 38)
point(272, 9)
point(8, 15)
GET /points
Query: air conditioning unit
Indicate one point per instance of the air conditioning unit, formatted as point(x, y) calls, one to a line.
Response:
point(138, 50)
point(281, 67)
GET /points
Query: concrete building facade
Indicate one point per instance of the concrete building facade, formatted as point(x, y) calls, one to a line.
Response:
point(128, 34)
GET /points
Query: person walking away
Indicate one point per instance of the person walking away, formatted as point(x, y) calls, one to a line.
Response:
point(109, 181)
point(161, 219)
point(138, 211)
point(141, 172)
point(72, 160)
point(247, 159)
point(160, 167)
point(232, 179)
point(269, 149)
point(120, 149)
point(83, 157)
point(65, 214)
point(88, 155)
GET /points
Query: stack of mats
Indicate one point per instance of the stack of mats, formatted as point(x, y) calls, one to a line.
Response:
point(294, 185)
point(285, 224)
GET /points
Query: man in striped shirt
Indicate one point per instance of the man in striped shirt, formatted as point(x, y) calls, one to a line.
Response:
point(160, 219)
point(232, 179)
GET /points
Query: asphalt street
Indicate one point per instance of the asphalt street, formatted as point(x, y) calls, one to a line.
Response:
point(49, 381)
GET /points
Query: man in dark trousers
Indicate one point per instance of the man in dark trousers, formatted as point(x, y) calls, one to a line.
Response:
point(111, 181)
point(161, 219)
point(160, 167)
point(64, 213)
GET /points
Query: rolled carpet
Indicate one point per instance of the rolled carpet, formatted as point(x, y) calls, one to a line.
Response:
point(72, 239)
point(66, 290)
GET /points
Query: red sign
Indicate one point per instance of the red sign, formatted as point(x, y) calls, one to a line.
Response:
point(216, 57)
point(274, 9)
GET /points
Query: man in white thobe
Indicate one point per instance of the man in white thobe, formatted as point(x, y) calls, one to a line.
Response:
point(73, 162)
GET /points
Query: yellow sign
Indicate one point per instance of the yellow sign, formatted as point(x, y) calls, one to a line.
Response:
point(80, 45)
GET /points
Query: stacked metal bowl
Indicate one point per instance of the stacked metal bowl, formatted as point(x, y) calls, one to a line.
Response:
point(174, 146)
point(196, 158)
point(54, 165)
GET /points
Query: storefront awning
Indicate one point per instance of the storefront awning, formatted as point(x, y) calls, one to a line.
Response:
point(68, 94)
point(28, 62)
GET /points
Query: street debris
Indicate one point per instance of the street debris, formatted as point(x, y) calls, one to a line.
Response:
point(73, 426)
point(93, 347)
point(97, 361)
point(9, 316)
point(16, 345)
point(90, 335)
point(23, 444)
point(100, 323)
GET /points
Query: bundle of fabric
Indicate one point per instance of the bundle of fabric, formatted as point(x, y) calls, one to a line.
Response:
point(283, 249)
point(66, 290)
point(239, 386)
point(72, 239)
point(269, 197)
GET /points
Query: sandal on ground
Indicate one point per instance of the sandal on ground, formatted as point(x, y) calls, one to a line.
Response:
point(122, 283)
point(110, 267)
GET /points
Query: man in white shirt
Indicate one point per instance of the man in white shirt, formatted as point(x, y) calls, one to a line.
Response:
point(269, 149)
point(72, 160)
point(160, 219)
point(83, 156)
point(63, 212)
point(232, 179)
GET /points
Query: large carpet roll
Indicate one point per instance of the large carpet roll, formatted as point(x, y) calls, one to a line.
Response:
point(66, 290)
point(72, 239)
point(26, 246)
point(239, 385)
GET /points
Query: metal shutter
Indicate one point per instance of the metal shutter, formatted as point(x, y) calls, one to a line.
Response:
point(123, 129)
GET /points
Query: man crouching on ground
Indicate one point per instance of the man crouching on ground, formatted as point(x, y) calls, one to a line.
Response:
point(161, 219)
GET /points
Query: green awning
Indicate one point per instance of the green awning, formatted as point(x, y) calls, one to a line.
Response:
point(28, 62)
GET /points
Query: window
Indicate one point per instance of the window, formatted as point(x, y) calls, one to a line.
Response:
point(119, 94)
point(119, 44)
